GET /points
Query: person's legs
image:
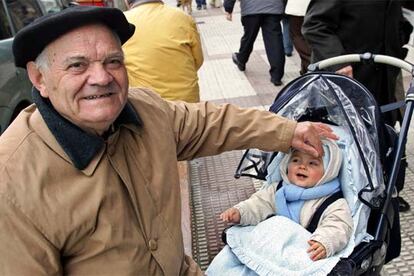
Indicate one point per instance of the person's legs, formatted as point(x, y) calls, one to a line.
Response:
point(273, 41)
point(287, 42)
point(301, 46)
point(251, 25)
point(200, 3)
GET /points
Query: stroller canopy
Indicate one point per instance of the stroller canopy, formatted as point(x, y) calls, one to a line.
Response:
point(346, 104)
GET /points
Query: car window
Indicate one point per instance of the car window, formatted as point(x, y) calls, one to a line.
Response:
point(51, 5)
point(23, 12)
point(5, 30)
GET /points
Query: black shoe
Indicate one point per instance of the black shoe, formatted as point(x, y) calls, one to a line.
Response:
point(403, 206)
point(276, 82)
point(288, 54)
point(236, 61)
point(198, 7)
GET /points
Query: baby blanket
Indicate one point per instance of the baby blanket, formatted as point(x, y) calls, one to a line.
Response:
point(276, 246)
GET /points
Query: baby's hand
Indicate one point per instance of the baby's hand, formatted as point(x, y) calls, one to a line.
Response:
point(317, 250)
point(231, 215)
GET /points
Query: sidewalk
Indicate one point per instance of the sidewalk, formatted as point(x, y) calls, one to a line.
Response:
point(211, 181)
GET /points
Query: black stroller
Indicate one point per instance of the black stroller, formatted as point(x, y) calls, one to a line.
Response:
point(348, 106)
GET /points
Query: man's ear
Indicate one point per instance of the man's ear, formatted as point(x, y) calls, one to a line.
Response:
point(36, 77)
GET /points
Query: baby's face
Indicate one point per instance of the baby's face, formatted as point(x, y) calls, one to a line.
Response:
point(304, 170)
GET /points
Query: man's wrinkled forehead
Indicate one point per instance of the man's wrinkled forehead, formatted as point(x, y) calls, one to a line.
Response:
point(94, 41)
point(93, 33)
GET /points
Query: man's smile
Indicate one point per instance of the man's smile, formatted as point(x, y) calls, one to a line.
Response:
point(98, 96)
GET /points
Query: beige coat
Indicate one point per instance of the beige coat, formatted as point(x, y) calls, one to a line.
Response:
point(121, 214)
point(334, 228)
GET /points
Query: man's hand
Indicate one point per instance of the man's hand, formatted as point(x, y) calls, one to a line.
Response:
point(231, 215)
point(229, 16)
point(317, 250)
point(347, 71)
point(307, 137)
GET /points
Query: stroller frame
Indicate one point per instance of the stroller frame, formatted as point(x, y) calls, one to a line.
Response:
point(368, 257)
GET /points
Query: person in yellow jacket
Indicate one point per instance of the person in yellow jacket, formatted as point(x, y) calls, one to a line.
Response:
point(165, 51)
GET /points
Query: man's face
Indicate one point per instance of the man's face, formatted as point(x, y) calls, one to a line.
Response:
point(86, 80)
point(304, 170)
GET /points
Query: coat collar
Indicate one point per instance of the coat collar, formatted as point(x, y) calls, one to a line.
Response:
point(80, 146)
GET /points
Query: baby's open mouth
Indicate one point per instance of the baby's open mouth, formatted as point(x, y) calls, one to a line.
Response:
point(301, 175)
point(98, 96)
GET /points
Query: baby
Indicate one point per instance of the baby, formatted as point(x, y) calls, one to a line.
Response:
point(307, 182)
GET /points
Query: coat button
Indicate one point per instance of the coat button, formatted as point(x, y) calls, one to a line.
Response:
point(153, 245)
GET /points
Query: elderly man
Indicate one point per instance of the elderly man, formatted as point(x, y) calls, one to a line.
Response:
point(89, 184)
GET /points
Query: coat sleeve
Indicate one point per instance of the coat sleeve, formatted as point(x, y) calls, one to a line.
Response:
point(196, 48)
point(258, 207)
point(24, 249)
point(334, 228)
point(320, 28)
point(205, 129)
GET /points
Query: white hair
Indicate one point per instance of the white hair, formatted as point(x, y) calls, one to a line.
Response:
point(42, 61)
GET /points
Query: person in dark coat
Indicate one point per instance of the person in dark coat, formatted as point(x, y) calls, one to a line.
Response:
point(338, 27)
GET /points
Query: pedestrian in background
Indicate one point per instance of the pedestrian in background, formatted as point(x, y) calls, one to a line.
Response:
point(296, 10)
point(201, 4)
point(287, 41)
point(338, 27)
point(405, 30)
point(165, 51)
point(264, 15)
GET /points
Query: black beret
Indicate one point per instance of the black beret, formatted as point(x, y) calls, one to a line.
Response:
point(30, 41)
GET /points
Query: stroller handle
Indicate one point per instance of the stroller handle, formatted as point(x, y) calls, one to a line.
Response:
point(365, 58)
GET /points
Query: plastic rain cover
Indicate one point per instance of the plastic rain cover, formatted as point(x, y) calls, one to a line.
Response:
point(328, 97)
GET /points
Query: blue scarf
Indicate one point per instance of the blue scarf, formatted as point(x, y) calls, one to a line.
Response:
point(289, 199)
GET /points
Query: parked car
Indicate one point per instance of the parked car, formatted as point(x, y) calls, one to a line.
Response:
point(15, 87)
point(120, 4)
point(100, 3)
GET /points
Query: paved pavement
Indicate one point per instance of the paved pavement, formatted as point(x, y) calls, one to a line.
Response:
point(212, 186)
